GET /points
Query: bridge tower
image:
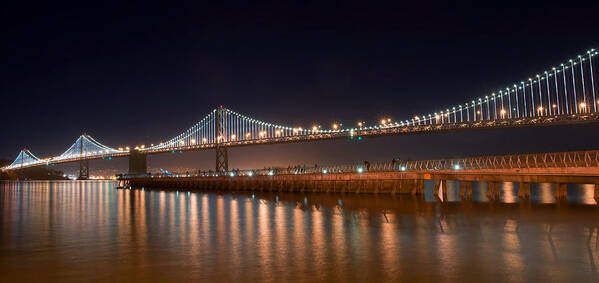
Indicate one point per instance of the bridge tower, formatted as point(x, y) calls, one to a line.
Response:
point(222, 159)
point(83, 162)
point(22, 155)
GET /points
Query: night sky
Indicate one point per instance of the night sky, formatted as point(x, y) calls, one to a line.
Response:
point(139, 73)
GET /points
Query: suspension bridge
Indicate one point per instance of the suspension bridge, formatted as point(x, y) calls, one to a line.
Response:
point(563, 94)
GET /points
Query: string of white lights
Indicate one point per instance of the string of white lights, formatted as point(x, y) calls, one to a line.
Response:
point(523, 94)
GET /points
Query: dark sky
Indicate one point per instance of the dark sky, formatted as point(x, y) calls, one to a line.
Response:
point(132, 73)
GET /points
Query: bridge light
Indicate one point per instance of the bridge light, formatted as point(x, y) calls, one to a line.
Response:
point(246, 135)
point(181, 142)
point(233, 137)
point(335, 126)
point(383, 121)
point(120, 149)
point(360, 170)
point(127, 148)
point(456, 167)
point(502, 112)
point(554, 106)
point(360, 124)
point(204, 140)
point(540, 109)
point(314, 128)
point(583, 105)
point(193, 141)
point(324, 171)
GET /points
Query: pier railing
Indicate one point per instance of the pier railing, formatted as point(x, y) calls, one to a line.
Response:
point(519, 161)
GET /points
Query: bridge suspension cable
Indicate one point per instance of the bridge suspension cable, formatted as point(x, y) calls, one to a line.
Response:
point(24, 159)
point(223, 126)
point(85, 146)
point(562, 90)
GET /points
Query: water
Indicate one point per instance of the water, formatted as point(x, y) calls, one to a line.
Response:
point(90, 231)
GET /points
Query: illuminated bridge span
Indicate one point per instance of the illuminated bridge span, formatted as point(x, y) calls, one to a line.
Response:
point(564, 94)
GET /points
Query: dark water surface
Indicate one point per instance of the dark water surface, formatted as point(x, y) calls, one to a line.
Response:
point(90, 231)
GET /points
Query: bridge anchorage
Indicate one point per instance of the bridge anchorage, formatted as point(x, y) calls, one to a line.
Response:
point(561, 95)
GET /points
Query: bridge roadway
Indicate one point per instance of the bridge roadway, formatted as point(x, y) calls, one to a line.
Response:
point(560, 171)
point(138, 161)
point(557, 96)
point(539, 121)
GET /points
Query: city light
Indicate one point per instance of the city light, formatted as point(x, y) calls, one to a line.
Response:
point(335, 126)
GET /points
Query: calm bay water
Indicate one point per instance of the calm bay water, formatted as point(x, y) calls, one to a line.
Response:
point(90, 231)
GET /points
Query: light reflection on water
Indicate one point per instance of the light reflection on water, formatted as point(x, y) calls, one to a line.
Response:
point(65, 231)
point(540, 193)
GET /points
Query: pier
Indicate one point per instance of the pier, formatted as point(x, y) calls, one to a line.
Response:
point(560, 172)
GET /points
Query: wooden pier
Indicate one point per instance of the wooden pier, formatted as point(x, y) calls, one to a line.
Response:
point(412, 183)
